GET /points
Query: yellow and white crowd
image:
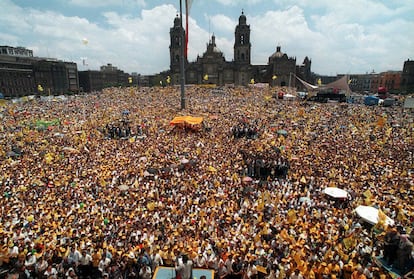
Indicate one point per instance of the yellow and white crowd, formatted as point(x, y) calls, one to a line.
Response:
point(78, 204)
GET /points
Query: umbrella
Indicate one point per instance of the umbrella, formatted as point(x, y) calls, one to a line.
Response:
point(146, 174)
point(12, 154)
point(123, 187)
point(371, 215)
point(212, 169)
point(152, 171)
point(336, 193)
point(304, 199)
point(282, 132)
point(247, 179)
point(143, 159)
point(70, 149)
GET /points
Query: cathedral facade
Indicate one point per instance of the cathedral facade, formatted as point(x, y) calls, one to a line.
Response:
point(212, 67)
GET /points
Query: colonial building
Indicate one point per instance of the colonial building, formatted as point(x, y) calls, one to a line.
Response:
point(361, 83)
point(213, 68)
point(390, 80)
point(108, 76)
point(23, 74)
point(16, 76)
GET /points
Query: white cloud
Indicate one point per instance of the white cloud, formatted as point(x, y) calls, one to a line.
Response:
point(355, 36)
point(239, 2)
point(106, 3)
point(137, 44)
point(223, 23)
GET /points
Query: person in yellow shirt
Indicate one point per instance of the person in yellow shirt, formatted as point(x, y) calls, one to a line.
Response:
point(96, 258)
point(358, 273)
point(347, 271)
point(310, 273)
point(334, 268)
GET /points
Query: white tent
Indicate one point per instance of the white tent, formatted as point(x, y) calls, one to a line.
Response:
point(341, 84)
point(307, 85)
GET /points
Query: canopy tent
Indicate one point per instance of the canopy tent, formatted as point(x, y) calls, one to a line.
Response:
point(163, 272)
point(187, 122)
point(308, 86)
point(372, 215)
point(340, 84)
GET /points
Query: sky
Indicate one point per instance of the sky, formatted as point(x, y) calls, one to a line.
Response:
point(340, 37)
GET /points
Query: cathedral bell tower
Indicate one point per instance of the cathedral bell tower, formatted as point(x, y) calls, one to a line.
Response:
point(242, 46)
point(175, 45)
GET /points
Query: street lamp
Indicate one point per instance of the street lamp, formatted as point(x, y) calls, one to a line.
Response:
point(182, 58)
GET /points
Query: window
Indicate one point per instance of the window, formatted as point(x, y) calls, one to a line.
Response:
point(242, 39)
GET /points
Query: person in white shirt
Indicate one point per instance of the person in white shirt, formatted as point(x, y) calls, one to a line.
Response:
point(51, 272)
point(85, 262)
point(73, 257)
point(296, 275)
point(30, 262)
point(145, 272)
point(184, 267)
point(41, 265)
point(104, 263)
point(251, 270)
point(157, 260)
point(200, 261)
point(71, 274)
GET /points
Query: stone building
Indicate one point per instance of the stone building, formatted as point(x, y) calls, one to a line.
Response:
point(16, 76)
point(107, 76)
point(22, 74)
point(407, 77)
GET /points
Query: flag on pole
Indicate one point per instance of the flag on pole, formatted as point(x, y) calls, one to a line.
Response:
point(187, 10)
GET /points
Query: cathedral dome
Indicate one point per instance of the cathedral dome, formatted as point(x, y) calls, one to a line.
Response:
point(242, 19)
point(177, 21)
point(213, 45)
point(277, 54)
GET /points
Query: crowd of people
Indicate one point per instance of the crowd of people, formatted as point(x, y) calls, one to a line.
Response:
point(245, 129)
point(79, 205)
point(268, 164)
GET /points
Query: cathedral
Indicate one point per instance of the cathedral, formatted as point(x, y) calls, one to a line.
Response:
point(212, 67)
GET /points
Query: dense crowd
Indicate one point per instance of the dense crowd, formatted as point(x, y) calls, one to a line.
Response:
point(79, 204)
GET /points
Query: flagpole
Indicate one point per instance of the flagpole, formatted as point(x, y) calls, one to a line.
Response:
point(182, 58)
